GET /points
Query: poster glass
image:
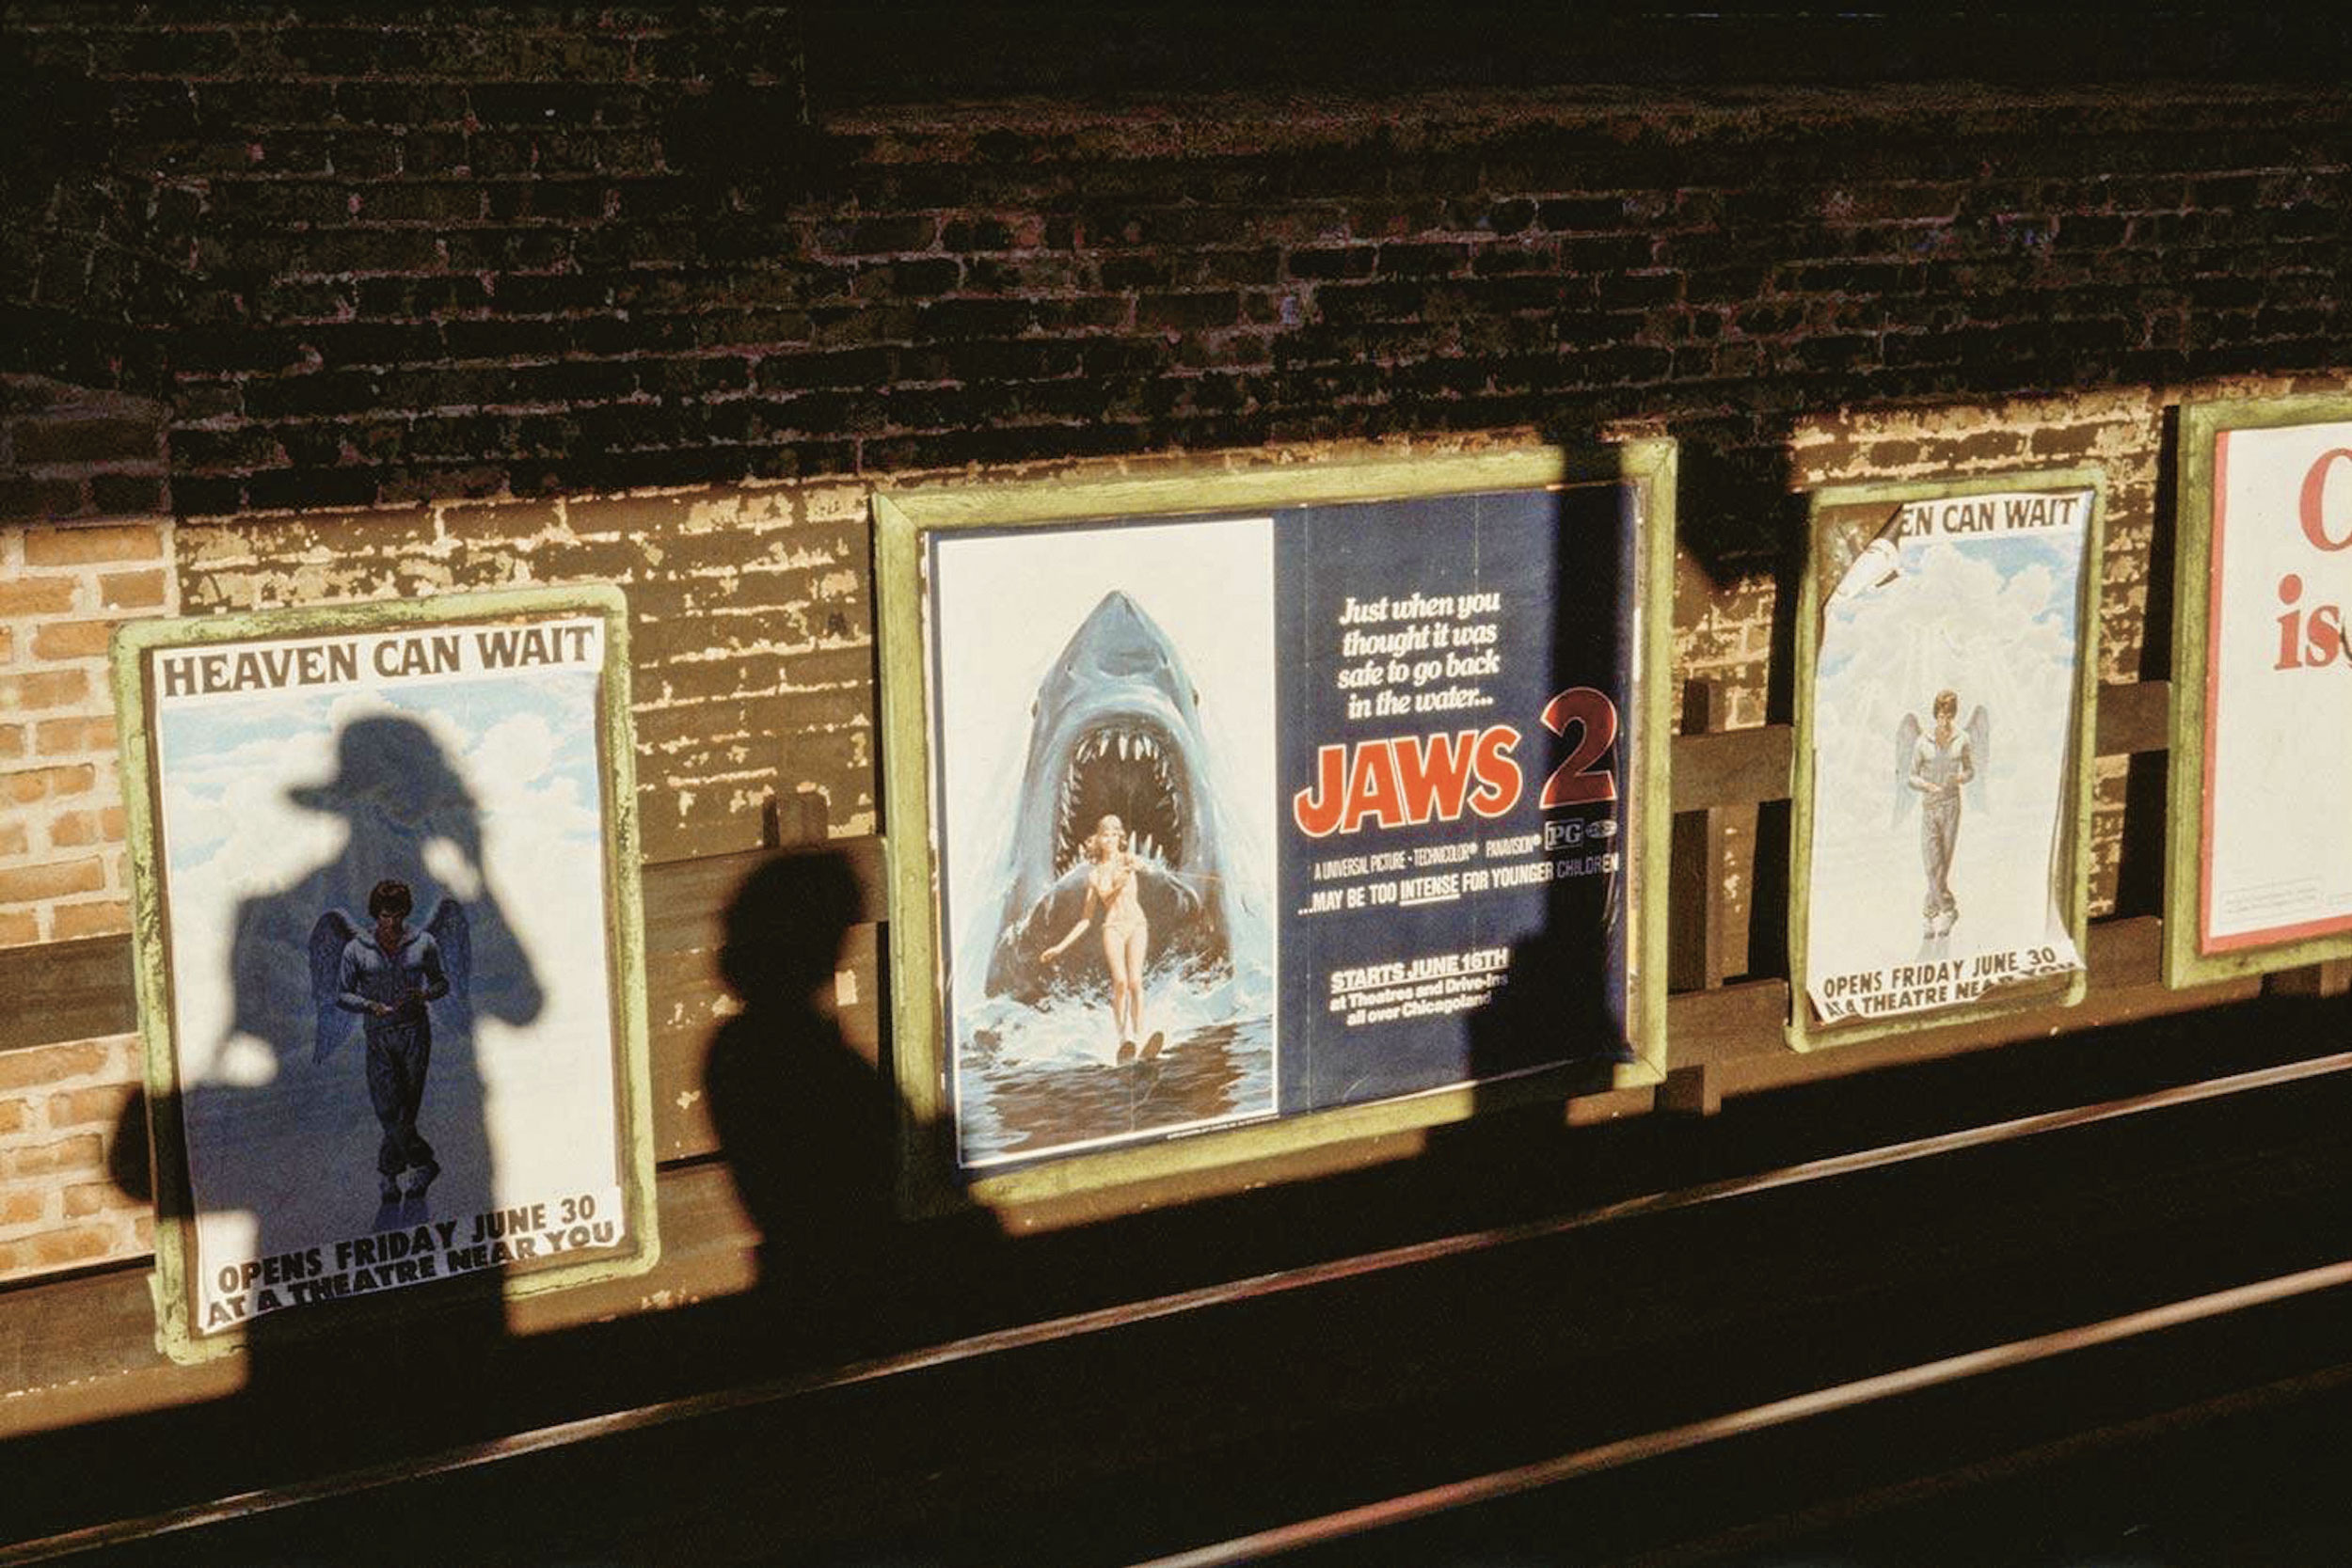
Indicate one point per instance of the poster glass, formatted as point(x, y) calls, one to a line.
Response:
point(387, 951)
point(1237, 815)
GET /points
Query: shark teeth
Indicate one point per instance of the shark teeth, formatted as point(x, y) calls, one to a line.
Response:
point(1130, 768)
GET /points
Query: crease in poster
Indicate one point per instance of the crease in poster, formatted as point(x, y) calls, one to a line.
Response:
point(1943, 712)
point(393, 1033)
point(2279, 707)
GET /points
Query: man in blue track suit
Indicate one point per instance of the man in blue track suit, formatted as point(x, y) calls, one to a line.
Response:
point(386, 976)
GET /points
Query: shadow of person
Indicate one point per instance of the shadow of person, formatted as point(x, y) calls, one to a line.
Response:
point(337, 1151)
point(1563, 999)
point(805, 1124)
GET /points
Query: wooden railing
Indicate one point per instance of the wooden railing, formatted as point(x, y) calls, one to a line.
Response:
point(82, 1346)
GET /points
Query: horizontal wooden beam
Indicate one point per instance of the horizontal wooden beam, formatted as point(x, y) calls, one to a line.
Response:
point(83, 1347)
point(66, 990)
point(1732, 768)
point(1734, 1031)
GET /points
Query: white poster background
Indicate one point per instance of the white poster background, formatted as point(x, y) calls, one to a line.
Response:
point(2277, 842)
point(1003, 606)
point(279, 801)
point(1979, 595)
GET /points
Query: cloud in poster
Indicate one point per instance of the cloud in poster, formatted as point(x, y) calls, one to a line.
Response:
point(1994, 620)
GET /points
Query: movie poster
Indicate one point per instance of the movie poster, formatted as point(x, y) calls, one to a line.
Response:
point(383, 857)
point(2277, 688)
point(1945, 719)
point(1106, 723)
point(1242, 818)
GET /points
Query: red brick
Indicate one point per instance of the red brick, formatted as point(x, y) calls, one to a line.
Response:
point(45, 1065)
point(106, 918)
point(79, 830)
point(100, 1107)
point(82, 546)
point(15, 1115)
point(14, 840)
point(40, 498)
point(18, 929)
point(40, 688)
point(131, 590)
point(23, 1206)
point(41, 595)
point(75, 737)
point(12, 739)
point(119, 495)
point(73, 440)
point(56, 1249)
point(96, 1197)
point(26, 784)
point(72, 639)
point(30, 884)
point(82, 1152)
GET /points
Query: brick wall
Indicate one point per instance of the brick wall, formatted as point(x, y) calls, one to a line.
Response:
point(751, 629)
point(62, 592)
point(68, 451)
point(310, 304)
point(59, 1109)
point(549, 254)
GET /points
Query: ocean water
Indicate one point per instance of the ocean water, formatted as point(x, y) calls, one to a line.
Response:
point(1033, 1081)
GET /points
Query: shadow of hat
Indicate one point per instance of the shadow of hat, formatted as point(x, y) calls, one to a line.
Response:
point(394, 764)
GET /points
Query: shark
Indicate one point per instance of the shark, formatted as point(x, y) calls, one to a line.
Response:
point(1115, 730)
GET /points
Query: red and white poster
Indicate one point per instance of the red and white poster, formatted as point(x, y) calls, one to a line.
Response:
point(2274, 859)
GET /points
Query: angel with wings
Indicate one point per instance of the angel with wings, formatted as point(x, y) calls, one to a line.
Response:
point(385, 975)
point(1932, 766)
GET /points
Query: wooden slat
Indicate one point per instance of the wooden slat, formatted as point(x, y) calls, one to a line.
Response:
point(1695, 959)
point(82, 1348)
point(1743, 767)
point(1735, 1032)
point(66, 990)
point(82, 990)
point(2135, 717)
point(72, 990)
point(1731, 767)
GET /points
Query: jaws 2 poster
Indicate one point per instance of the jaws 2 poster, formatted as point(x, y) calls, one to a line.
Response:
point(1243, 817)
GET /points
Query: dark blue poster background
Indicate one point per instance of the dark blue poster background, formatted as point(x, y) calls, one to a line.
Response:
point(1454, 719)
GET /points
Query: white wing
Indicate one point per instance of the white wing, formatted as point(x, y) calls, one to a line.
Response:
point(1906, 747)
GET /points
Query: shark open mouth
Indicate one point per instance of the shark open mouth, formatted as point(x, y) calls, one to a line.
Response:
point(1129, 768)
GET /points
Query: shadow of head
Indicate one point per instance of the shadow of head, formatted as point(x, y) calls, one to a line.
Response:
point(393, 769)
point(399, 792)
point(783, 931)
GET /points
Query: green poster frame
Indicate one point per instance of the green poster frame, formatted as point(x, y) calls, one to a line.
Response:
point(1839, 511)
point(931, 1179)
point(2202, 421)
point(136, 646)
